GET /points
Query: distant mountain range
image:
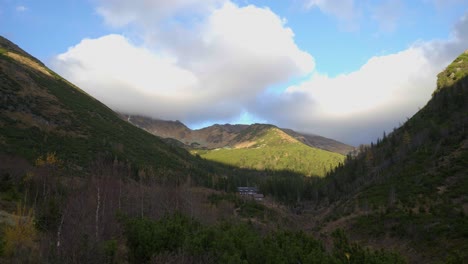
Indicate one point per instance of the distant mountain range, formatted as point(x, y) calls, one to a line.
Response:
point(257, 146)
point(227, 135)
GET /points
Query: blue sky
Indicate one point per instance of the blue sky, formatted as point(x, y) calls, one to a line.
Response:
point(345, 69)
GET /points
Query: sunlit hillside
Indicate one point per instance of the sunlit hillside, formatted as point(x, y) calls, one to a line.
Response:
point(268, 148)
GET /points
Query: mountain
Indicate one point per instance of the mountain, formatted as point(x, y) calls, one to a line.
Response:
point(41, 113)
point(268, 147)
point(409, 191)
point(321, 142)
point(257, 146)
point(216, 136)
point(219, 136)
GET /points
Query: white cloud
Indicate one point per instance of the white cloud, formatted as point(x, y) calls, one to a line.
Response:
point(359, 106)
point(220, 64)
point(377, 95)
point(442, 52)
point(225, 63)
point(126, 77)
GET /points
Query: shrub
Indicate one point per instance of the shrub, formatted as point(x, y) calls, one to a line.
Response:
point(20, 237)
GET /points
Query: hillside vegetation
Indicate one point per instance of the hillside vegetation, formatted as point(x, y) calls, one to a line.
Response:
point(227, 135)
point(411, 187)
point(190, 242)
point(257, 146)
point(264, 147)
point(40, 112)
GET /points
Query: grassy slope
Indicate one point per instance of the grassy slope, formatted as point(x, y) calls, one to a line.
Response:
point(269, 148)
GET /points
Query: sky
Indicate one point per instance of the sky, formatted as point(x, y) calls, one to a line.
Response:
point(344, 69)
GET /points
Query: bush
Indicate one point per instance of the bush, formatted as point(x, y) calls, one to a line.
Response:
point(146, 237)
point(178, 235)
point(19, 239)
point(348, 252)
point(110, 250)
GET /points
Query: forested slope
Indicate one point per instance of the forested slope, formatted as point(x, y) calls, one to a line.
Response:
point(412, 185)
point(41, 112)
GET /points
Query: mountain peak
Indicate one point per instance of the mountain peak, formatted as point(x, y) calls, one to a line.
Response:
point(6, 46)
point(10, 46)
point(225, 135)
point(455, 72)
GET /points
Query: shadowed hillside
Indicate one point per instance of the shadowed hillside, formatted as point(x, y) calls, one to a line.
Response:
point(41, 112)
point(410, 189)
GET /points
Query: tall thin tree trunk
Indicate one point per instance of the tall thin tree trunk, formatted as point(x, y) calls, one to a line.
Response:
point(103, 210)
point(44, 187)
point(97, 210)
point(120, 194)
point(35, 198)
point(25, 199)
point(59, 231)
point(141, 200)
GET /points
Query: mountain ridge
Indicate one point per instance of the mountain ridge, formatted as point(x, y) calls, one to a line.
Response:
point(226, 135)
point(41, 112)
point(256, 146)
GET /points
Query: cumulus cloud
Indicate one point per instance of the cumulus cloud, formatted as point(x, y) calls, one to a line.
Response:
point(239, 52)
point(442, 52)
point(359, 106)
point(221, 65)
point(350, 107)
point(126, 77)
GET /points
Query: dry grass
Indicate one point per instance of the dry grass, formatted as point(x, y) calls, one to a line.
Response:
point(245, 144)
point(28, 62)
point(285, 136)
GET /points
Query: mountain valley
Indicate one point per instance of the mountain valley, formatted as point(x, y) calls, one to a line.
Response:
point(80, 183)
